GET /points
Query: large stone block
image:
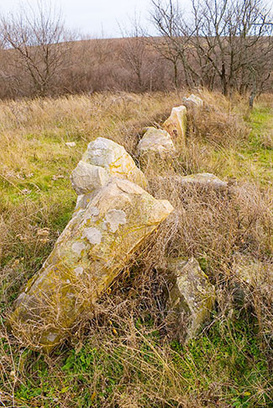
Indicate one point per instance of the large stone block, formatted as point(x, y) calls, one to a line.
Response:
point(102, 160)
point(95, 246)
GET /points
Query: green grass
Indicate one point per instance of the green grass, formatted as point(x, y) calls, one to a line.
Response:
point(225, 367)
point(252, 159)
point(114, 361)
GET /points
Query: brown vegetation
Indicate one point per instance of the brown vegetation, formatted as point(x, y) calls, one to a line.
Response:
point(231, 53)
point(126, 354)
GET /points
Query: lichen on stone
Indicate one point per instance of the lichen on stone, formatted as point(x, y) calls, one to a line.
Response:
point(78, 247)
point(93, 235)
point(115, 218)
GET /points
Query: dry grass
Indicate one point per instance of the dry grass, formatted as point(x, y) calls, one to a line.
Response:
point(217, 123)
point(125, 354)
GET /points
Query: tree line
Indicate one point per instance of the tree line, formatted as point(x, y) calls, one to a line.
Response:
point(222, 44)
point(219, 44)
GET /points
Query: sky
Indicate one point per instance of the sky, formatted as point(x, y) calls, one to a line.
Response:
point(94, 18)
point(99, 18)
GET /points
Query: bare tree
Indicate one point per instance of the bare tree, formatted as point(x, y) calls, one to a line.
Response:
point(134, 53)
point(224, 43)
point(174, 38)
point(35, 34)
point(234, 42)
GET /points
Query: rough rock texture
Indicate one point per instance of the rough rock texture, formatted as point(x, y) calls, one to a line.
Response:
point(192, 297)
point(193, 101)
point(156, 141)
point(102, 160)
point(86, 177)
point(94, 247)
point(176, 124)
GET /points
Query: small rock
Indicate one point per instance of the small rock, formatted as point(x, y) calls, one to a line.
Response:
point(70, 144)
point(201, 180)
point(26, 191)
point(43, 232)
point(204, 179)
point(57, 177)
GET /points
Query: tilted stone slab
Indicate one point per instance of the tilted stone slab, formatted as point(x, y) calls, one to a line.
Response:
point(94, 247)
point(192, 296)
point(156, 141)
point(176, 124)
point(102, 160)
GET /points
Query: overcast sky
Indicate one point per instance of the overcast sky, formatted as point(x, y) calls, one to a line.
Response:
point(97, 18)
point(92, 17)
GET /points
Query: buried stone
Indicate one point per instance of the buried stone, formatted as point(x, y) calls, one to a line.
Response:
point(94, 247)
point(200, 181)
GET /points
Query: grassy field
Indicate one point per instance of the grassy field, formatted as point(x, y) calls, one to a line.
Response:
point(125, 355)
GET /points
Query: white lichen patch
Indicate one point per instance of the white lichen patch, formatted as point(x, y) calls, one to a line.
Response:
point(115, 218)
point(78, 271)
point(93, 235)
point(77, 247)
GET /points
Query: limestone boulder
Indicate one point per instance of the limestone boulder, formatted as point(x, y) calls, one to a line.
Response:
point(102, 160)
point(95, 246)
point(176, 124)
point(192, 297)
point(156, 141)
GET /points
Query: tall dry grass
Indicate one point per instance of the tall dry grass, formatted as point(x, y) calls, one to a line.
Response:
point(128, 339)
